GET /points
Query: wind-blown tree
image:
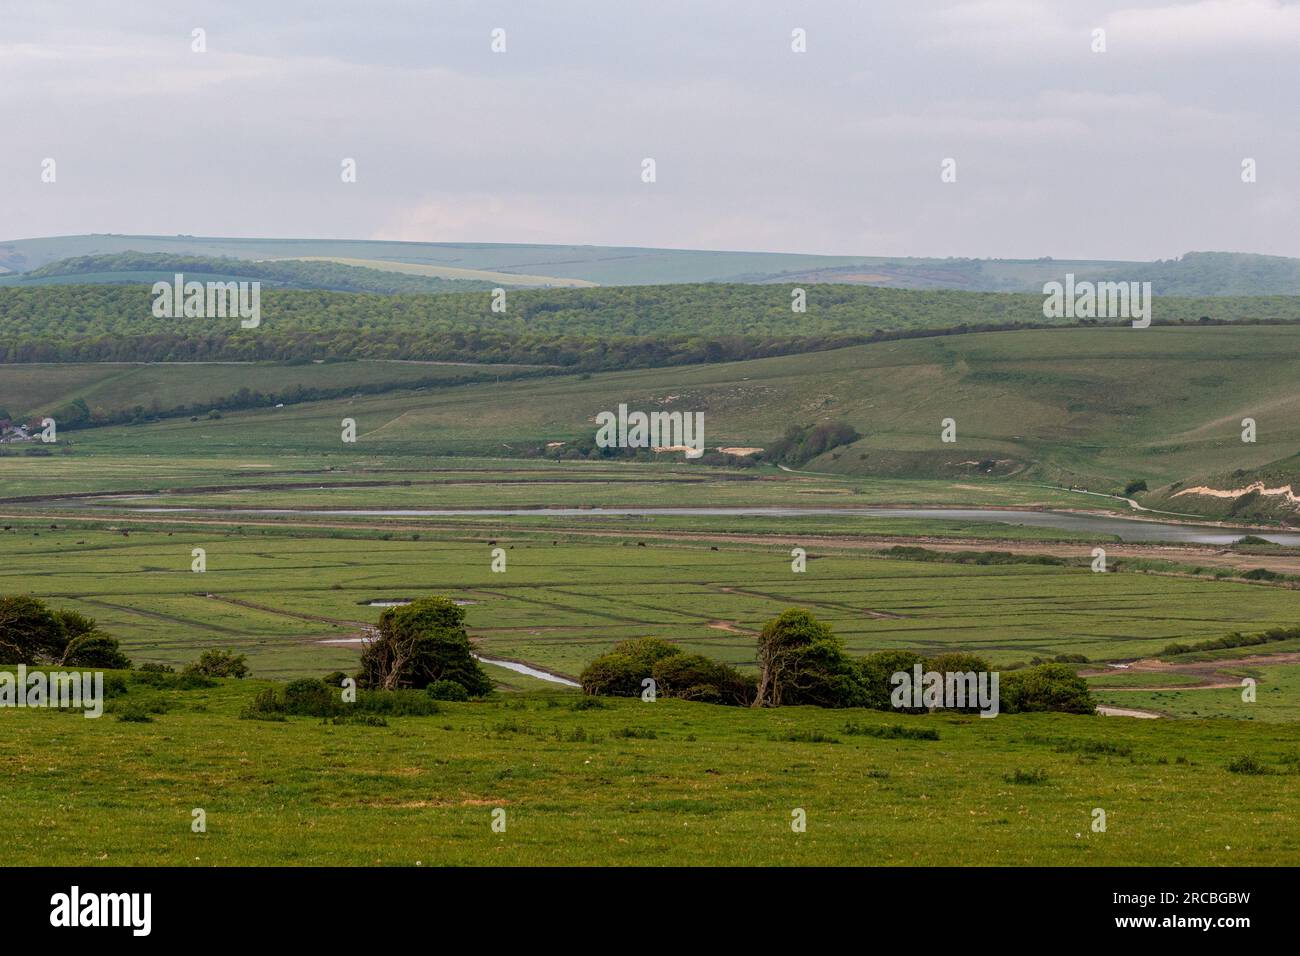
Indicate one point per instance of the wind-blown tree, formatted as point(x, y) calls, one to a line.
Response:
point(421, 644)
point(801, 662)
point(32, 633)
point(29, 631)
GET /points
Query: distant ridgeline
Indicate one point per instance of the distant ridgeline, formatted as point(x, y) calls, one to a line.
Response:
point(131, 268)
point(107, 257)
point(600, 328)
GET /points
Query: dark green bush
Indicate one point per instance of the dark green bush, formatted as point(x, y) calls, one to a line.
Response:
point(876, 672)
point(219, 663)
point(95, 649)
point(307, 697)
point(614, 675)
point(1248, 765)
point(447, 690)
point(1048, 687)
point(696, 677)
point(422, 643)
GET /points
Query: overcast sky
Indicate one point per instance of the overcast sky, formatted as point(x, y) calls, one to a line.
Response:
point(1131, 153)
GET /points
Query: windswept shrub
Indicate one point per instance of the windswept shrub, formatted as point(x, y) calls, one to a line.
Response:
point(32, 633)
point(1048, 687)
point(696, 677)
point(219, 663)
point(307, 697)
point(802, 662)
point(96, 649)
point(875, 674)
point(623, 672)
point(422, 643)
point(614, 675)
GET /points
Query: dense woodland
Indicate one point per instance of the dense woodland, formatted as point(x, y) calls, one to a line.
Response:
point(584, 329)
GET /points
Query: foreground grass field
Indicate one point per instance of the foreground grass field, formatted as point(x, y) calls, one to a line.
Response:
point(633, 783)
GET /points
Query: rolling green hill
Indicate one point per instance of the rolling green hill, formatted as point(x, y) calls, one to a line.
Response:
point(1270, 492)
point(129, 391)
point(1090, 407)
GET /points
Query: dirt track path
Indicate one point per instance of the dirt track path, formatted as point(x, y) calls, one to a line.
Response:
point(1129, 712)
point(1210, 675)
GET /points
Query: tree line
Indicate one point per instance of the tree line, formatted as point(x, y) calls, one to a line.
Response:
point(801, 661)
point(583, 329)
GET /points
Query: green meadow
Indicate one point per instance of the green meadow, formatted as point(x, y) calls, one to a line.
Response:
point(632, 783)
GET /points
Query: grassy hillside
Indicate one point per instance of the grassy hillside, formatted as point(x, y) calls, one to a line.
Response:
point(141, 390)
point(1270, 492)
point(1091, 407)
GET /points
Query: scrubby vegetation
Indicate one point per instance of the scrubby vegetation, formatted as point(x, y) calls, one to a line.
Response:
point(1235, 639)
point(627, 669)
point(219, 663)
point(802, 443)
point(801, 661)
point(312, 697)
point(915, 553)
